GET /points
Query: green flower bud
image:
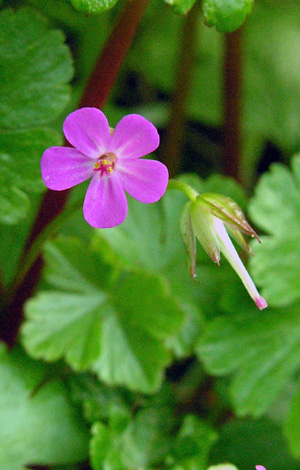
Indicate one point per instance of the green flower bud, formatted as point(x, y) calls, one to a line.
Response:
point(207, 217)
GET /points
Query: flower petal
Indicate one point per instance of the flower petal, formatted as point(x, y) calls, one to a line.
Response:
point(134, 137)
point(64, 167)
point(87, 130)
point(105, 203)
point(145, 180)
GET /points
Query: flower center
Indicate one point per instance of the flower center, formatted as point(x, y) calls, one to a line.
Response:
point(105, 164)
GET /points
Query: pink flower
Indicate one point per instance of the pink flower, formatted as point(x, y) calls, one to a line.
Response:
point(260, 467)
point(112, 158)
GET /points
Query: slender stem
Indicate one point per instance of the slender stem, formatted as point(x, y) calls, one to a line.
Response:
point(96, 93)
point(108, 65)
point(232, 104)
point(184, 188)
point(171, 149)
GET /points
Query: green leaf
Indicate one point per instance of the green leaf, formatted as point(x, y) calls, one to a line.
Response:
point(261, 351)
point(41, 426)
point(193, 444)
point(226, 15)
point(20, 155)
point(133, 351)
point(292, 425)
point(14, 204)
point(148, 438)
point(68, 323)
point(247, 443)
point(105, 449)
point(181, 6)
point(93, 6)
point(36, 67)
point(122, 324)
point(223, 466)
point(276, 209)
point(13, 239)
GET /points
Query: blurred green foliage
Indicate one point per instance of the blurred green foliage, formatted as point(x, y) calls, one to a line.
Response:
point(128, 363)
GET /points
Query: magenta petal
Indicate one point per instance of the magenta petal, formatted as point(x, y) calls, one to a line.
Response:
point(64, 167)
point(134, 137)
point(105, 203)
point(87, 130)
point(145, 180)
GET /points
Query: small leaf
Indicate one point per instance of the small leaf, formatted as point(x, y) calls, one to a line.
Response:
point(226, 15)
point(181, 6)
point(105, 449)
point(193, 444)
point(93, 6)
point(148, 438)
point(223, 466)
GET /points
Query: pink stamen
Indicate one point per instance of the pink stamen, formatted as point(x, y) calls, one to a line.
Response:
point(104, 167)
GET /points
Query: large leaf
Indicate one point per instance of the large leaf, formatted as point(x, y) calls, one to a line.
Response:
point(39, 425)
point(123, 324)
point(261, 351)
point(35, 69)
point(276, 209)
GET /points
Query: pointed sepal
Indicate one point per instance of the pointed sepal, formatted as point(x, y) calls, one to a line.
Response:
point(203, 226)
point(229, 212)
point(188, 238)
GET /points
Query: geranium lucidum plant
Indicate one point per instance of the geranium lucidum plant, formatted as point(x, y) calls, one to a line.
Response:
point(112, 159)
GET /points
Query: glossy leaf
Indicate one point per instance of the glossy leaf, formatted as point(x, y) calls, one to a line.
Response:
point(93, 6)
point(117, 328)
point(36, 69)
point(261, 351)
point(226, 15)
point(276, 209)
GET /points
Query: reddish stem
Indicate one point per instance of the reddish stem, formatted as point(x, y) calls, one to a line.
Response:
point(232, 104)
point(171, 153)
point(96, 93)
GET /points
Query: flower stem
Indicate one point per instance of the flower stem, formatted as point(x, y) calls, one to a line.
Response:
point(35, 248)
point(184, 188)
point(172, 145)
